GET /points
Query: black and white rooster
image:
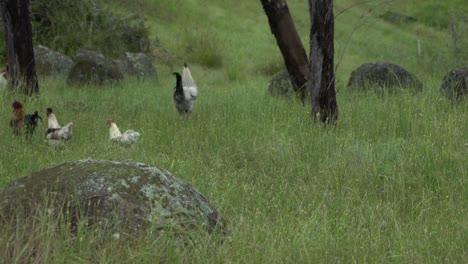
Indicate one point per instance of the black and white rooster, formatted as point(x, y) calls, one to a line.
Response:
point(185, 91)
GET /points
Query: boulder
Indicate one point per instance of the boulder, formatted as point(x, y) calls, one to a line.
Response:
point(92, 67)
point(136, 65)
point(123, 195)
point(381, 76)
point(280, 85)
point(50, 62)
point(455, 84)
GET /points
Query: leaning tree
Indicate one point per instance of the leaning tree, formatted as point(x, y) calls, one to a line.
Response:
point(19, 46)
point(314, 76)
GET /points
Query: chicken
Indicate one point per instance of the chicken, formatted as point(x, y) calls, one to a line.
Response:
point(54, 133)
point(31, 122)
point(52, 122)
point(185, 91)
point(17, 119)
point(61, 134)
point(3, 79)
point(190, 88)
point(128, 138)
point(179, 97)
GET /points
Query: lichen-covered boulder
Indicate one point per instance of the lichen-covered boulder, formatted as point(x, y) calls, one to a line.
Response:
point(125, 195)
point(92, 67)
point(455, 84)
point(280, 85)
point(383, 76)
point(137, 65)
point(51, 63)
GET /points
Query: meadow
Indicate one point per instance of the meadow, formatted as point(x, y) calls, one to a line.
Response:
point(387, 184)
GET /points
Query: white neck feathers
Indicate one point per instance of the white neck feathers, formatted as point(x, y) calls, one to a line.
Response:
point(114, 131)
point(52, 121)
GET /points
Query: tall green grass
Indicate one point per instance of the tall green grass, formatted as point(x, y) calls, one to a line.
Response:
point(387, 184)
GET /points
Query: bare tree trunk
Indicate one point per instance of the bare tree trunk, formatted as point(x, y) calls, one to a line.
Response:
point(289, 42)
point(323, 95)
point(19, 46)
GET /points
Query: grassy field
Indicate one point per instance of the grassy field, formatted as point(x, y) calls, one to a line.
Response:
point(387, 184)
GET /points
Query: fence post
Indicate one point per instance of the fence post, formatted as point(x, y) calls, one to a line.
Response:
point(419, 47)
point(453, 32)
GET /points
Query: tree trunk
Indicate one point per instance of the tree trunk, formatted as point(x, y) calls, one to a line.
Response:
point(19, 46)
point(322, 89)
point(289, 42)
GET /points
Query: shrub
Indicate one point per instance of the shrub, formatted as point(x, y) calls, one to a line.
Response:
point(202, 47)
point(68, 25)
point(271, 66)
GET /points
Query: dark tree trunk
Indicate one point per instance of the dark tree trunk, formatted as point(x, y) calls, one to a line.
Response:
point(322, 89)
point(294, 54)
point(19, 46)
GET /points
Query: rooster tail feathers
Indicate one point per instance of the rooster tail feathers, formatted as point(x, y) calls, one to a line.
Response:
point(190, 88)
point(129, 137)
point(187, 79)
point(177, 75)
point(132, 134)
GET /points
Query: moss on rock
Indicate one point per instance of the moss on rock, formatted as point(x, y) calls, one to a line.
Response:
point(120, 194)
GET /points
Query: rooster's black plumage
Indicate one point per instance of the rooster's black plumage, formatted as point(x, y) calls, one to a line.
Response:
point(181, 104)
point(31, 122)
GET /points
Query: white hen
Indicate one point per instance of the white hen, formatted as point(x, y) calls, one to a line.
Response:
point(3, 80)
point(129, 137)
point(190, 88)
point(52, 122)
point(54, 133)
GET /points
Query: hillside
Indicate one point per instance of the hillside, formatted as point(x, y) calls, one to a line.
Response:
point(387, 184)
point(239, 34)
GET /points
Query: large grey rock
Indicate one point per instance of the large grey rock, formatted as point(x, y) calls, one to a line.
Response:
point(124, 195)
point(92, 67)
point(381, 76)
point(137, 65)
point(455, 84)
point(50, 62)
point(281, 86)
